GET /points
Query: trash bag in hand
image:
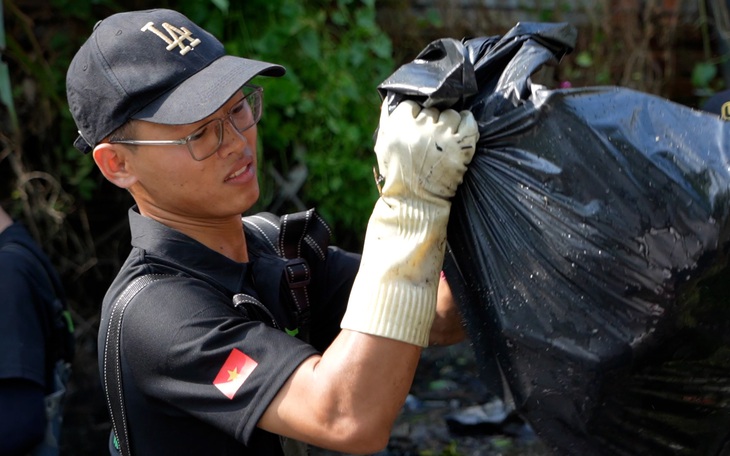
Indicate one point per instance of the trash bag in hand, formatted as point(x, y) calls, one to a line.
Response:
point(588, 248)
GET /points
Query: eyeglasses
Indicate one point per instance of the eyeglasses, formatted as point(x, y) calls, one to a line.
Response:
point(205, 141)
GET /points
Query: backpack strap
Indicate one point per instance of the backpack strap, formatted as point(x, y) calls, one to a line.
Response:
point(112, 364)
point(299, 237)
point(302, 229)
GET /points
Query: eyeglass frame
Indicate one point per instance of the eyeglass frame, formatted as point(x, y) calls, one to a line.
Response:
point(187, 139)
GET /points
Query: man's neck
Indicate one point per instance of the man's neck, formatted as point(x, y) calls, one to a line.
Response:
point(230, 242)
point(225, 236)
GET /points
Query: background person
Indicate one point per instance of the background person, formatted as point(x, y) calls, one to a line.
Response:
point(32, 378)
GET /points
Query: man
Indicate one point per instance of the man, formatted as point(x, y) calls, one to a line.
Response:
point(32, 382)
point(173, 120)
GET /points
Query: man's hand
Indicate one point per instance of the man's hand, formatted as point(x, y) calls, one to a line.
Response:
point(448, 324)
point(422, 155)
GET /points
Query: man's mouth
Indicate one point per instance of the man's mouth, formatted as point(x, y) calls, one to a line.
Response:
point(239, 172)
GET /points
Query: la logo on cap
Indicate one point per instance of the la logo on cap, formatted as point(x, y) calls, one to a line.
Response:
point(176, 38)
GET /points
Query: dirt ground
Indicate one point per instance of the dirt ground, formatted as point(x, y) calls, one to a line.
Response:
point(451, 413)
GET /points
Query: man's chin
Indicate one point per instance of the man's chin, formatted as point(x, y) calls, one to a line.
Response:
point(252, 195)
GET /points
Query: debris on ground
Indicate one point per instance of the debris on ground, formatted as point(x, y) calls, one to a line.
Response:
point(449, 412)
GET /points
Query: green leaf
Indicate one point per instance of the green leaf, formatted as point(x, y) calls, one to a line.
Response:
point(584, 59)
point(703, 73)
point(221, 5)
point(434, 18)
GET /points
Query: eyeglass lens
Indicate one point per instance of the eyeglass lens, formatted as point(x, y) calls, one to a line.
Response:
point(205, 141)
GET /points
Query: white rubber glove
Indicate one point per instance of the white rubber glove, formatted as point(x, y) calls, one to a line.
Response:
point(422, 155)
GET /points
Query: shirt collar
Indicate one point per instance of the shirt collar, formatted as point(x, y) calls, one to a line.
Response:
point(183, 252)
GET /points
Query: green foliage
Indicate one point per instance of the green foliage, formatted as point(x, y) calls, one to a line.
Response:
point(39, 62)
point(432, 18)
point(324, 112)
point(450, 450)
point(703, 74)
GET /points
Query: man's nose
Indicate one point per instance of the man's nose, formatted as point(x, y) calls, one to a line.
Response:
point(230, 136)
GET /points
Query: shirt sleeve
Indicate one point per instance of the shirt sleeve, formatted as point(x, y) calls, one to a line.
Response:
point(189, 348)
point(331, 294)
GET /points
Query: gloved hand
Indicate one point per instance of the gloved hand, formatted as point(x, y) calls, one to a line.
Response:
point(422, 155)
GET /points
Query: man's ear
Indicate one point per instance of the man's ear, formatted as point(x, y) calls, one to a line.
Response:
point(112, 161)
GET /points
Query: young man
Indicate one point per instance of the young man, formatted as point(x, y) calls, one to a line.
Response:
point(173, 120)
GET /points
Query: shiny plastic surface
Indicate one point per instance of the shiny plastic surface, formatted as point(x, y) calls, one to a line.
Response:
point(589, 248)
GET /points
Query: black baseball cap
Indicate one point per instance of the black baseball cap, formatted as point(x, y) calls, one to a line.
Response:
point(154, 65)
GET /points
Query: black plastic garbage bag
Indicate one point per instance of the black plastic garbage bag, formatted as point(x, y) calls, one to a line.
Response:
point(588, 248)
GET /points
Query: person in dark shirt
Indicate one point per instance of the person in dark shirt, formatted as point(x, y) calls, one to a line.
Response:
point(28, 284)
point(209, 361)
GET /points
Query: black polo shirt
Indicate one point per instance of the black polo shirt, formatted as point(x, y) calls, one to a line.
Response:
point(198, 373)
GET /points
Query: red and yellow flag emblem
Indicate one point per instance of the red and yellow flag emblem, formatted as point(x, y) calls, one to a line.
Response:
point(235, 371)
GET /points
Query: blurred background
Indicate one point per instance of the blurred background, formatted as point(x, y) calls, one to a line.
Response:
point(316, 135)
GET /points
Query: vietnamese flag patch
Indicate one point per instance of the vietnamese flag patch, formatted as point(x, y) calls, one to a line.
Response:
point(235, 371)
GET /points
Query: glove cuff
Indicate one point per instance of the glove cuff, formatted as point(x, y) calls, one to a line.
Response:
point(393, 310)
point(394, 293)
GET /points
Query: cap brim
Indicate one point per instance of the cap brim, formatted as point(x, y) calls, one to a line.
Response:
point(206, 91)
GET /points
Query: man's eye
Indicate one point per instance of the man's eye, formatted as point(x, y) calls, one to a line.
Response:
point(198, 134)
point(238, 108)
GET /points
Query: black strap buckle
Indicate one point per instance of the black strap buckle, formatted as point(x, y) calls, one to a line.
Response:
point(297, 273)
